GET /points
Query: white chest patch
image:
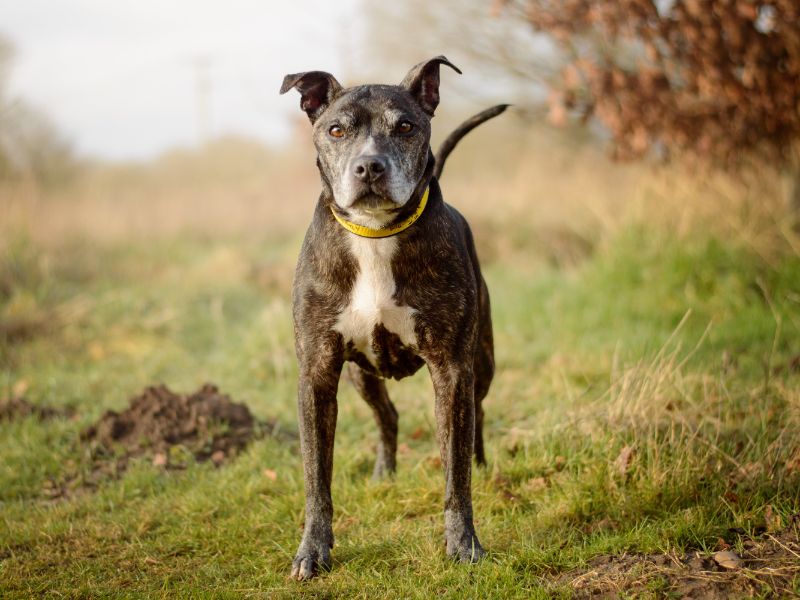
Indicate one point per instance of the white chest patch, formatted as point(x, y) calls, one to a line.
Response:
point(372, 298)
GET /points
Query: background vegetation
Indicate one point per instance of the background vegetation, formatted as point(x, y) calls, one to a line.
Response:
point(647, 399)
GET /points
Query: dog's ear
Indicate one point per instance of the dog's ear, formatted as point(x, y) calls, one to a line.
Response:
point(423, 82)
point(317, 90)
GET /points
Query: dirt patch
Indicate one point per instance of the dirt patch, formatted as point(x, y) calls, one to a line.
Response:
point(171, 430)
point(12, 409)
point(207, 424)
point(768, 564)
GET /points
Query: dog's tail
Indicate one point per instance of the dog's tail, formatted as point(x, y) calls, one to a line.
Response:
point(447, 146)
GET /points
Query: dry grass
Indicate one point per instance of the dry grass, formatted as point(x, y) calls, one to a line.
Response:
point(535, 187)
point(231, 187)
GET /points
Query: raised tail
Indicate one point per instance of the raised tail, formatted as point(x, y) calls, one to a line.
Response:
point(450, 142)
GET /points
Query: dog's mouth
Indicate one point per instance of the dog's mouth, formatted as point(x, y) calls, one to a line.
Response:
point(373, 202)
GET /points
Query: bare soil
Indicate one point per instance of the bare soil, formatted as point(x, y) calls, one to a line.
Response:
point(767, 564)
point(15, 408)
point(170, 430)
point(207, 424)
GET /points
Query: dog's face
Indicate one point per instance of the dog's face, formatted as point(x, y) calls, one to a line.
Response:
point(373, 147)
point(372, 140)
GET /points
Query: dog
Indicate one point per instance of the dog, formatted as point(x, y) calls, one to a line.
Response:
point(387, 281)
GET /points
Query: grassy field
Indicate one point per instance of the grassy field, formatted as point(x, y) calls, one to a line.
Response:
point(647, 397)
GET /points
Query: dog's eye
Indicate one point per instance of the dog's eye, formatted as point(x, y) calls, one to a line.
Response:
point(405, 127)
point(336, 131)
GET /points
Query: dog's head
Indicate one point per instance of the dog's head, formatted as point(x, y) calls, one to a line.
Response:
point(372, 140)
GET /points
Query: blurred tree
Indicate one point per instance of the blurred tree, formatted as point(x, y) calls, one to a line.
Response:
point(501, 51)
point(715, 80)
point(30, 145)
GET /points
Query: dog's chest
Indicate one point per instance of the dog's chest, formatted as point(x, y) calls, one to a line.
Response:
point(378, 333)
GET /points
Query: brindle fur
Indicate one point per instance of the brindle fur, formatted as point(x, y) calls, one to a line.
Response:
point(435, 270)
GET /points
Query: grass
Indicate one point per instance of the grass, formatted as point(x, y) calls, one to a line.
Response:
point(671, 346)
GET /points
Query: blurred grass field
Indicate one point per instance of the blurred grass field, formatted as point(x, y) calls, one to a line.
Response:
point(647, 397)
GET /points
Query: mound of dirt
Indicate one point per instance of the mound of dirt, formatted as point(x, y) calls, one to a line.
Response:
point(208, 424)
point(167, 428)
point(12, 409)
point(768, 564)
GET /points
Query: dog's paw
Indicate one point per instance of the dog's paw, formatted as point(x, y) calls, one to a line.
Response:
point(466, 549)
point(314, 553)
point(311, 558)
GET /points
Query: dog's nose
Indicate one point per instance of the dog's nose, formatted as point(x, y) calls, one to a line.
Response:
point(369, 168)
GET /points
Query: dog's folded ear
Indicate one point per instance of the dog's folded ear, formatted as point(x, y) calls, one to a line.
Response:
point(317, 90)
point(423, 82)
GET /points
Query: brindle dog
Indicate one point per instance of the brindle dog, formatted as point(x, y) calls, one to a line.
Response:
point(388, 281)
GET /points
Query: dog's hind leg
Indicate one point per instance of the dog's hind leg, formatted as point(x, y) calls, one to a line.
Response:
point(480, 453)
point(373, 390)
point(483, 377)
point(483, 367)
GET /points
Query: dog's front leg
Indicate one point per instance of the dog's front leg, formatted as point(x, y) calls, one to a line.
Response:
point(455, 418)
point(317, 407)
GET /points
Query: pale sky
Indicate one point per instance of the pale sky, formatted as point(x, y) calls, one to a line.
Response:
point(118, 77)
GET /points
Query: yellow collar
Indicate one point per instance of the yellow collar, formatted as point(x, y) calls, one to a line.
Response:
point(369, 232)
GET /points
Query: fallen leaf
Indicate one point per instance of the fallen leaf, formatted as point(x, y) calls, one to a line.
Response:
point(418, 433)
point(501, 480)
point(747, 471)
point(435, 462)
point(728, 559)
point(347, 523)
point(772, 519)
point(218, 457)
point(270, 474)
point(150, 561)
point(624, 459)
point(508, 495)
point(722, 544)
point(731, 497)
point(403, 449)
point(159, 459)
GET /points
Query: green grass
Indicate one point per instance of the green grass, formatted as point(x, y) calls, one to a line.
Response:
point(676, 346)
